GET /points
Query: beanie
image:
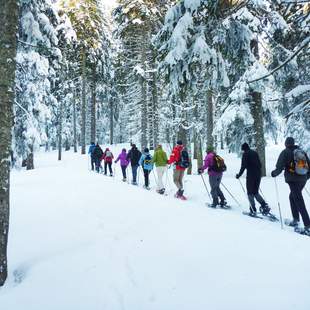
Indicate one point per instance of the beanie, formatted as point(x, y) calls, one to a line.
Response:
point(210, 149)
point(289, 141)
point(179, 142)
point(245, 147)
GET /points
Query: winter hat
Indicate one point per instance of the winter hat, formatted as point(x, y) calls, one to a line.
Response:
point(133, 145)
point(146, 150)
point(123, 150)
point(179, 142)
point(289, 141)
point(245, 147)
point(210, 149)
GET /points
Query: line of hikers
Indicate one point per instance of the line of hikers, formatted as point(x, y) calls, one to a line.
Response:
point(293, 160)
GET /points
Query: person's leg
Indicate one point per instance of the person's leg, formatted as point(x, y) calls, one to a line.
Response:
point(146, 177)
point(110, 168)
point(124, 171)
point(134, 173)
point(294, 206)
point(92, 163)
point(160, 173)
point(250, 185)
point(176, 178)
point(105, 167)
point(299, 201)
point(214, 184)
point(219, 191)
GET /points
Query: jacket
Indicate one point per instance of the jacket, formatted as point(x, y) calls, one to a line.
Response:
point(175, 157)
point(143, 164)
point(107, 156)
point(160, 158)
point(91, 149)
point(208, 164)
point(283, 163)
point(97, 152)
point(134, 156)
point(251, 162)
point(122, 157)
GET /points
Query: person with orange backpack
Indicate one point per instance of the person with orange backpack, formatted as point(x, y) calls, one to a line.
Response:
point(296, 165)
point(108, 159)
point(216, 166)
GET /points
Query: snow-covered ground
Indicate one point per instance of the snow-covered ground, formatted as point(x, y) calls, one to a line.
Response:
point(82, 241)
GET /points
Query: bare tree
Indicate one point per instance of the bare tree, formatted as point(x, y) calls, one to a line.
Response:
point(8, 30)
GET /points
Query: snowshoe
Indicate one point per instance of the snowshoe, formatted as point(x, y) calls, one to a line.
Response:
point(146, 187)
point(124, 180)
point(134, 183)
point(302, 231)
point(211, 205)
point(252, 214)
point(291, 223)
point(161, 191)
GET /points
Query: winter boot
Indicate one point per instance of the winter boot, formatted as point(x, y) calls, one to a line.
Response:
point(307, 230)
point(264, 209)
point(293, 223)
point(223, 203)
point(253, 211)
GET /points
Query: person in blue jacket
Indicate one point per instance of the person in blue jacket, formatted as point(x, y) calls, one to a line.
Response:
point(147, 165)
point(90, 153)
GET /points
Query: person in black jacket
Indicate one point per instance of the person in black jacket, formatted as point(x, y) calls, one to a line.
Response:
point(134, 156)
point(296, 183)
point(252, 163)
point(97, 154)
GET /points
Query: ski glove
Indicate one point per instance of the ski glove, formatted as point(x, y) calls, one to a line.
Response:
point(237, 176)
point(200, 170)
point(273, 173)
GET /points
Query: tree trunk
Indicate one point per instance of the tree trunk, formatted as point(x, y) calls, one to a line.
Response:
point(93, 108)
point(143, 100)
point(29, 160)
point(83, 110)
point(258, 126)
point(74, 123)
point(60, 131)
point(111, 121)
point(210, 140)
point(257, 114)
point(8, 30)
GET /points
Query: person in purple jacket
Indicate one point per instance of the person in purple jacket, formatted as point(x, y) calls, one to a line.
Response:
point(122, 157)
point(215, 179)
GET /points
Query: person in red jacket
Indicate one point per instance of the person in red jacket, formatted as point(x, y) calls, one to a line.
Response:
point(108, 159)
point(178, 172)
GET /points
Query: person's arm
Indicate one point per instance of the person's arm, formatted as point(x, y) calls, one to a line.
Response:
point(141, 160)
point(280, 165)
point(128, 155)
point(308, 161)
point(117, 159)
point(165, 157)
point(172, 158)
point(154, 159)
point(244, 164)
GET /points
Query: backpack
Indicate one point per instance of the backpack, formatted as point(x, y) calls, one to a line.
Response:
point(108, 154)
point(97, 152)
point(299, 165)
point(218, 164)
point(147, 160)
point(184, 160)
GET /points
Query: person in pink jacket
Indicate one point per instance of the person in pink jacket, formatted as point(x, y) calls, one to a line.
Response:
point(215, 178)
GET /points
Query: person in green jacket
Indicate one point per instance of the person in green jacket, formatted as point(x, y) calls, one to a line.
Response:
point(160, 160)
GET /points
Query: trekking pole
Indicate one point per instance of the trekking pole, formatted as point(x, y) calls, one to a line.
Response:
point(277, 193)
point(204, 182)
point(242, 187)
point(261, 192)
point(232, 196)
point(155, 177)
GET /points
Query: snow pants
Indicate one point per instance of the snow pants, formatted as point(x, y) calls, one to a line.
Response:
point(252, 186)
point(216, 193)
point(146, 177)
point(108, 164)
point(160, 174)
point(297, 202)
point(178, 178)
point(97, 164)
point(124, 171)
point(134, 169)
point(93, 163)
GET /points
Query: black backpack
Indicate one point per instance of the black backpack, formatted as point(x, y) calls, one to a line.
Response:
point(147, 160)
point(184, 160)
point(218, 164)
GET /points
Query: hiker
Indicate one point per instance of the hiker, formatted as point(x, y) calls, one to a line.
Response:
point(160, 160)
point(133, 157)
point(108, 159)
point(97, 154)
point(180, 160)
point(251, 162)
point(90, 153)
point(122, 157)
point(216, 166)
point(295, 163)
point(147, 165)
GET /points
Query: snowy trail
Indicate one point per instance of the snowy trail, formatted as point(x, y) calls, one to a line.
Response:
point(83, 241)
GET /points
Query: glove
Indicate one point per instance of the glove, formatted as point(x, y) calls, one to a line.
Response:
point(273, 174)
point(237, 176)
point(200, 171)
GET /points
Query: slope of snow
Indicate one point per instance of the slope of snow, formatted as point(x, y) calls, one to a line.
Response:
point(79, 240)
